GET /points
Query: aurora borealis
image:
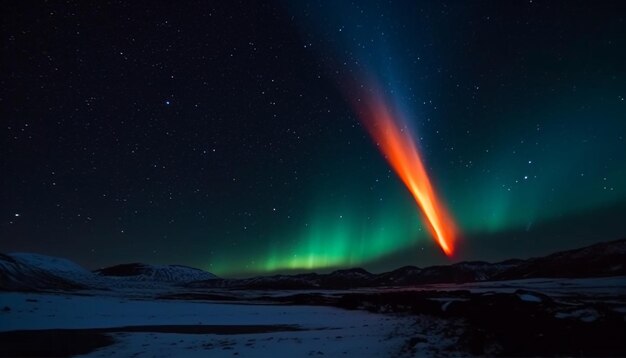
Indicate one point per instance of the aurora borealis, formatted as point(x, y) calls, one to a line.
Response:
point(227, 136)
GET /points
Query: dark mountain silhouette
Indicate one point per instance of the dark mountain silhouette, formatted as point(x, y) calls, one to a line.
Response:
point(36, 272)
point(603, 259)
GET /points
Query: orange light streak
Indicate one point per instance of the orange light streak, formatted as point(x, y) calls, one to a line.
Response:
point(400, 151)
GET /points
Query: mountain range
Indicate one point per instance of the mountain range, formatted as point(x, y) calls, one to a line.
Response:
point(602, 259)
point(27, 271)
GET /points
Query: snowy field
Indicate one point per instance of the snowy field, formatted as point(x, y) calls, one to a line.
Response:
point(138, 322)
point(324, 330)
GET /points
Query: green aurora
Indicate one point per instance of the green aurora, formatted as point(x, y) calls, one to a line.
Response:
point(512, 187)
point(224, 139)
point(509, 159)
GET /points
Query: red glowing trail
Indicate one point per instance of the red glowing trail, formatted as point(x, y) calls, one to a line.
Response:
point(402, 154)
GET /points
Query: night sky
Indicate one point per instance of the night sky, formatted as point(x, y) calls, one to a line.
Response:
point(223, 135)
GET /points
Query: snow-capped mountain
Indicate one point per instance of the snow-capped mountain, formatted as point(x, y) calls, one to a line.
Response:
point(18, 276)
point(27, 271)
point(161, 273)
point(57, 266)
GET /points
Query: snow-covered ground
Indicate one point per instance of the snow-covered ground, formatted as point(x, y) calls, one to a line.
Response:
point(321, 330)
point(154, 301)
point(326, 330)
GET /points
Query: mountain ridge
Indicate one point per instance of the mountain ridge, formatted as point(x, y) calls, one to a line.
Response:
point(600, 259)
point(30, 271)
point(24, 271)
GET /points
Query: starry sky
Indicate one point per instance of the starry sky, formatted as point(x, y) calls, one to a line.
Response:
point(223, 135)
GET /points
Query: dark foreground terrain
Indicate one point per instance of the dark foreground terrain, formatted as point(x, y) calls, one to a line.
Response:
point(516, 322)
point(571, 303)
point(522, 323)
point(565, 317)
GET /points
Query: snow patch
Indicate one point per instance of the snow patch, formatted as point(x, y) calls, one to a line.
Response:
point(529, 298)
point(585, 315)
